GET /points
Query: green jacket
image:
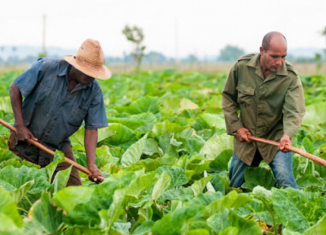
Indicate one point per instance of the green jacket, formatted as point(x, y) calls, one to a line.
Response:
point(269, 108)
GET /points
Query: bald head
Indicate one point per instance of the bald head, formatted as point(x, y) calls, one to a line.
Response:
point(269, 37)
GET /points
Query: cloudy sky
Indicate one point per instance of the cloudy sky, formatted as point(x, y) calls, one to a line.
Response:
point(173, 27)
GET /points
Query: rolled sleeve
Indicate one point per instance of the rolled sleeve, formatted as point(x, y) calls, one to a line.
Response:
point(27, 81)
point(96, 116)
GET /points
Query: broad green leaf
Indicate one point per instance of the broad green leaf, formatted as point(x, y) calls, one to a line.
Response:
point(258, 176)
point(313, 115)
point(134, 152)
point(120, 228)
point(18, 194)
point(298, 210)
point(200, 185)
point(177, 174)
point(194, 144)
point(61, 179)
point(179, 221)
point(145, 104)
point(48, 218)
point(318, 228)
point(209, 120)
point(5, 104)
point(166, 144)
point(144, 228)
point(22, 176)
point(187, 104)
point(166, 127)
point(122, 135)
point(216, 145)
point(227, 218)
point(161, 185)
point(221, 162)
point(104, 133)
point(205, 199)
point(151, 147)
point(71, 196)
point(184, 194)
point(141, 183)
point(232, 200)
point(307, 144)
point(308, 181)
point(8, 211)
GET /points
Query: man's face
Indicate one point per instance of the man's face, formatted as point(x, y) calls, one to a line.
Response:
point(84, 79)
point(273, 58)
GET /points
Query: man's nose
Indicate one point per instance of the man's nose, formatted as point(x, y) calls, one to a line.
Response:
point(279, 61)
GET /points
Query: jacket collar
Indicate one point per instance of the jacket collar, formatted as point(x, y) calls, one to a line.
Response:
point(254, 63)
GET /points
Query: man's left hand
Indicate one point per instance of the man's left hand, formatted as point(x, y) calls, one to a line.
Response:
point(95, 175)
point(285, 141)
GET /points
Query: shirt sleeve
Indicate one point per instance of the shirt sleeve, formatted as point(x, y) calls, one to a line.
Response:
point(27, 81)
point(293, 108)
point(96, 116)
point(229, 102)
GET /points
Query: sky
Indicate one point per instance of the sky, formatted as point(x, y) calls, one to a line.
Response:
point(175, 28)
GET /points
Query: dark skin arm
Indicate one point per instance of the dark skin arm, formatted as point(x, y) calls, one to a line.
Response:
point(22, 132)
point(90, 142)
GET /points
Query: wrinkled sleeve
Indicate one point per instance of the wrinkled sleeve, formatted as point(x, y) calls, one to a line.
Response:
point(229, 102)
point(27, 81)
point(293, 108)
point(96, 116)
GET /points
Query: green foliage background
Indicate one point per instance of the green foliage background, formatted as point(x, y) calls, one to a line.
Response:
point(165, 156)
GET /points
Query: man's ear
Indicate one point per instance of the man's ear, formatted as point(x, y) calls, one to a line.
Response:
point(261, 49)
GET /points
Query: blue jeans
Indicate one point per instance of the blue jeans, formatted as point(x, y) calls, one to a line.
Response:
point(281, 167)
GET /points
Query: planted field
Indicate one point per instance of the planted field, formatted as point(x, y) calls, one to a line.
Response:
point(165, 157)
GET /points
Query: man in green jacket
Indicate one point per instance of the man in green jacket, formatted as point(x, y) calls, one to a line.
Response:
point(263, 96)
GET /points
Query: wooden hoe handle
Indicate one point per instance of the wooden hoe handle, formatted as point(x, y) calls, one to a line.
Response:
point(292, 149)
point(50, 151)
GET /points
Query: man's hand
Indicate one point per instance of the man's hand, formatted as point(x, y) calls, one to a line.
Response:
point(24, 134)
point(95, 174)
point(243, 134)
point(285, 141)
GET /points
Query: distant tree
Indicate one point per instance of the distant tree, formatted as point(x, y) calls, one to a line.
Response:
point(136, 36)
point(154, 57)
point(230, 53)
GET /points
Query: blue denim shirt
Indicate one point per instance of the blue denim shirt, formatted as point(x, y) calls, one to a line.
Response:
point(51, 112)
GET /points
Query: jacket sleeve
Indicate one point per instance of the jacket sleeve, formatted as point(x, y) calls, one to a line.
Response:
point(293, 108)
point(229, 102)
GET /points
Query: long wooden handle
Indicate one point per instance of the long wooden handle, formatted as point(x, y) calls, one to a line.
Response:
point(50, 151)
point(292, 149)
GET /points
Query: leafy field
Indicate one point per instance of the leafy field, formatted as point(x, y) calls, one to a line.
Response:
point(165, 157)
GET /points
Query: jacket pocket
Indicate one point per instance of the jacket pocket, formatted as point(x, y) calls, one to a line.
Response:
point(245, 94)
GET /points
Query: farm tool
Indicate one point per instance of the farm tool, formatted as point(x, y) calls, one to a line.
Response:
point(50, 151)
point(290, 148)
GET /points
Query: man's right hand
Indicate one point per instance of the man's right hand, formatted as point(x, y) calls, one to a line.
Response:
point(24, 134)
point(243, 134)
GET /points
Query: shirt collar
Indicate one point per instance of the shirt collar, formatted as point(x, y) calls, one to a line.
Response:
point(63, 72)
point(254, 62)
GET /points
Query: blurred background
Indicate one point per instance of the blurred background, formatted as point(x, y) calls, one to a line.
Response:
point(206, 35)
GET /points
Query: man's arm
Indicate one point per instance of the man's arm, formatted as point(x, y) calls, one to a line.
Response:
point(90, 142)
point(231, 107)
point(293, 112)
point(22, 132)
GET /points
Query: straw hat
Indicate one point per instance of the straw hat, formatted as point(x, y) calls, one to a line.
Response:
point(89, 60)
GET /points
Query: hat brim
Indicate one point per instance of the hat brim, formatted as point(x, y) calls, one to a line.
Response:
point(101, 72)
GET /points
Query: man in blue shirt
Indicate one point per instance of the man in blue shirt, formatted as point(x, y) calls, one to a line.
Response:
point(58, 96)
